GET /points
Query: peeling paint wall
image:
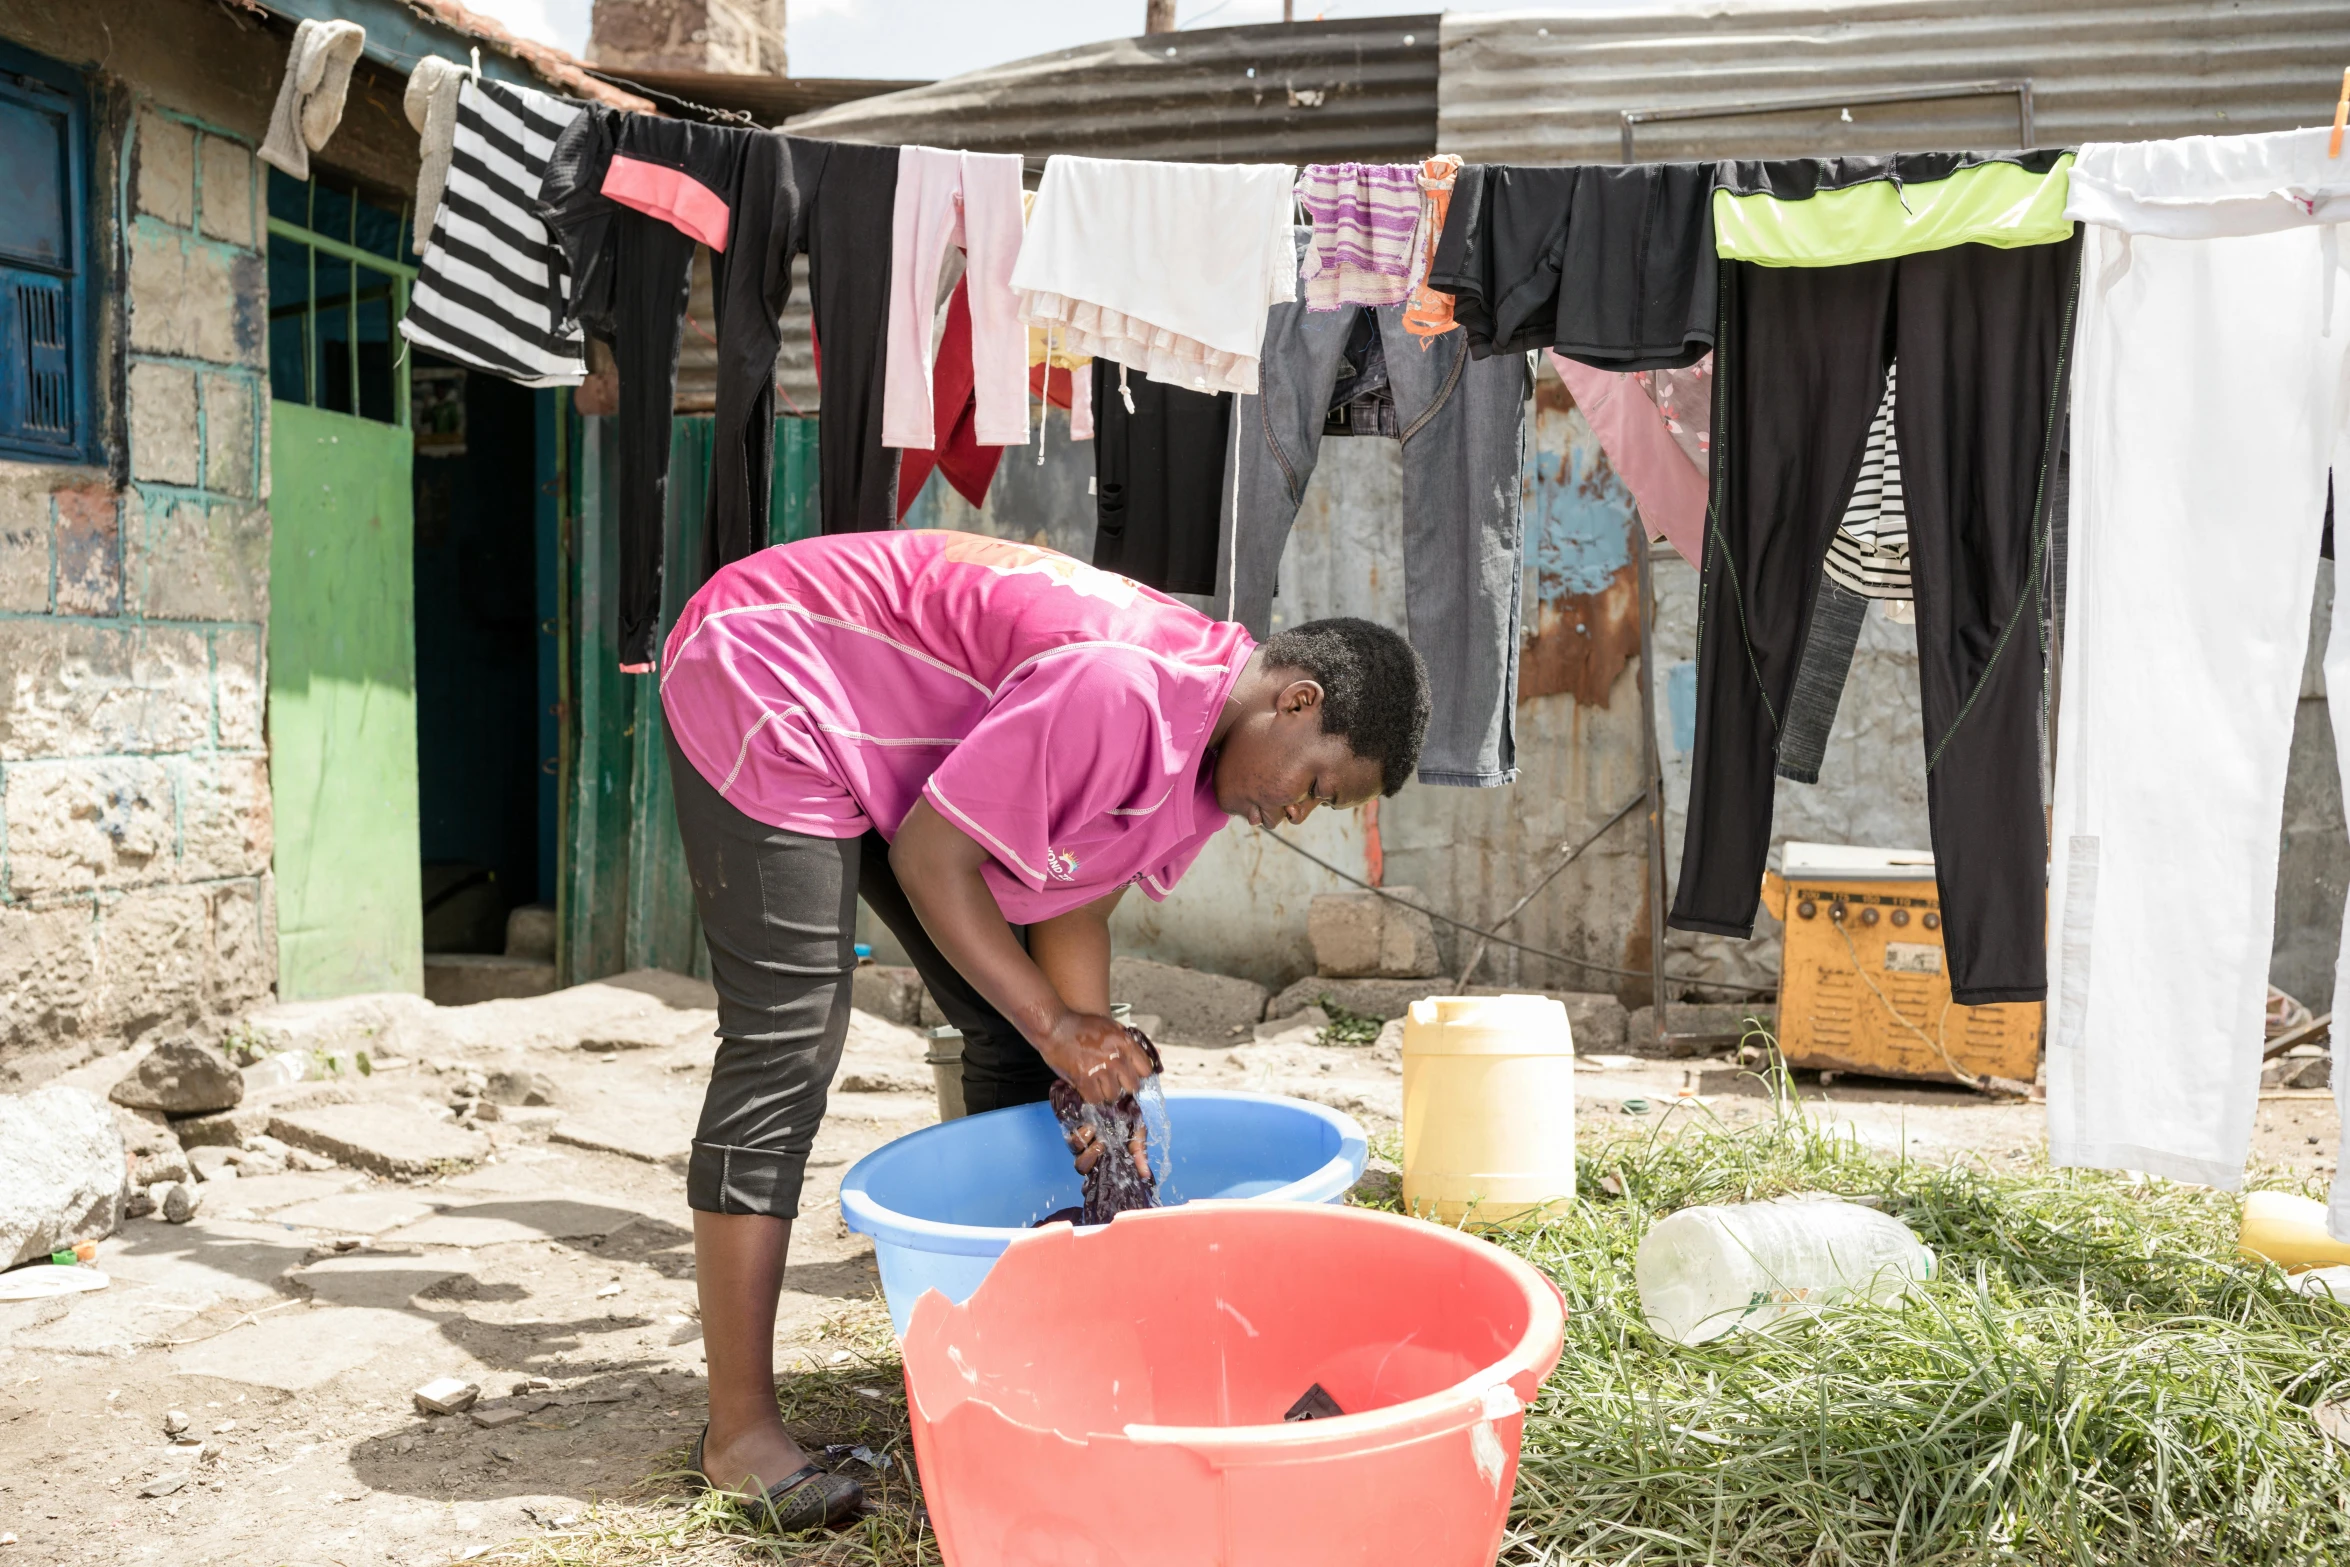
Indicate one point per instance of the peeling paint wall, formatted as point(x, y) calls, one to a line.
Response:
point(1583, 591)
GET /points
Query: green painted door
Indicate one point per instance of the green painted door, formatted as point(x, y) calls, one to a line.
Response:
point(342, 705)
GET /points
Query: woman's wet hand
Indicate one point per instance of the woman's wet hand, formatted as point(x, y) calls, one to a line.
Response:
point(1096, 1056)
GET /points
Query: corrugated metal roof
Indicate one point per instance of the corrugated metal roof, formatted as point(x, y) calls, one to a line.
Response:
point(1556, 87)
point(768, 100)
point(1291, 93)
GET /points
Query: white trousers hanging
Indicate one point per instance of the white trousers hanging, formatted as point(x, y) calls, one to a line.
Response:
point(2208, 401)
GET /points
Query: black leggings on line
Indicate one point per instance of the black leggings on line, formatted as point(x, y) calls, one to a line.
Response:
point(1983, 337)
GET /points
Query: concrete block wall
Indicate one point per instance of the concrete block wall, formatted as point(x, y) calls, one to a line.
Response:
point(135, 896)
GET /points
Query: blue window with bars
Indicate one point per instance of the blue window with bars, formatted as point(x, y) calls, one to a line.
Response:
point(45, 412)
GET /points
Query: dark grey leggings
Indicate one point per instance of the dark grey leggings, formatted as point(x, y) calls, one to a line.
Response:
point(779, 911)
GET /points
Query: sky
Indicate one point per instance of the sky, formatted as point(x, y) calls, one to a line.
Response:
point(907, 40)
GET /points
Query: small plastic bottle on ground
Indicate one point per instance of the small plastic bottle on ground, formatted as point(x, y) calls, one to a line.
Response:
point(282, 1069)
point(1704, 1272)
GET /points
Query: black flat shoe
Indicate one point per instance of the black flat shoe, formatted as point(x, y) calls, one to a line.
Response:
point(807, 1498)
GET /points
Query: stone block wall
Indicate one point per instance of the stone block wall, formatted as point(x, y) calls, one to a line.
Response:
point(135, 894)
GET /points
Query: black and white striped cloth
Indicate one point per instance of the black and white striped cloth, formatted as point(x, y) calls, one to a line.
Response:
point(1870, 551)
point(487, 292)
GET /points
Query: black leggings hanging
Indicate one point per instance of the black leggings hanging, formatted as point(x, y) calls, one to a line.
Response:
point(1983, 338)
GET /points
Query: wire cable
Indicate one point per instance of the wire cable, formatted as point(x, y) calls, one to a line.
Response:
point(1477, 954)
point(1518, 946)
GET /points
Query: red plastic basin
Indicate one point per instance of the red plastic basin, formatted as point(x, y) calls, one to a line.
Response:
point(1115, 1396)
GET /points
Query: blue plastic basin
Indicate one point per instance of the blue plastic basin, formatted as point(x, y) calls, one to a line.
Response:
point(942, 1204)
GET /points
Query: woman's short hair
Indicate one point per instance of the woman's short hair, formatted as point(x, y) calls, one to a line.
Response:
point(1374, 689)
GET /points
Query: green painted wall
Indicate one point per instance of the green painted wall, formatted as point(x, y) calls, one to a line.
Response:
point(626, 900)
point(342, 705)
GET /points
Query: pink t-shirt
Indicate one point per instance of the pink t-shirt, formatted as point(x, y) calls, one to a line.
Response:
point(1057, 713)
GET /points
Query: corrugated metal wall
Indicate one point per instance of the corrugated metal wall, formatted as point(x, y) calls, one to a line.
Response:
point(1553, 87)
point(1308, 92)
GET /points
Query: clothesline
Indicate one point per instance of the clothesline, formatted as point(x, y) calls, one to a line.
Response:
point(1516, 946)
point(2124, 356)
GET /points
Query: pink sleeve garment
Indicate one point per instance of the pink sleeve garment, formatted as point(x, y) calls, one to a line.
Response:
point(970, 199)
point(1081, 406)
point(1668, 487)
point(672, 195)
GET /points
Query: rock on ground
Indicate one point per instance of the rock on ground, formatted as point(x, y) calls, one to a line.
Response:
point(181, 1077)
point(1209, 1009)
point(154, 1149)
point(893, 993)
point(519, 1086)
point(61, 1172)
point(1362, 933)
point(227, 1128)
point(392, 1023)
point(389, 1139)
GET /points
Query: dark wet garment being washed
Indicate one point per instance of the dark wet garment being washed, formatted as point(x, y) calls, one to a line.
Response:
point(1121, 1178)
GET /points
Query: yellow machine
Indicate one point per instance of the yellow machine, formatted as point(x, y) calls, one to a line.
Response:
point(1863, 986)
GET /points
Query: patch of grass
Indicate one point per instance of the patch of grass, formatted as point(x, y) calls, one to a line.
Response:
point(1347, 1028)
point(2091, 1378)
point(660, 1522)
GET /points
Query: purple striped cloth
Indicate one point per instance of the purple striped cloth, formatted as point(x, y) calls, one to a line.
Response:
point(1366, 223)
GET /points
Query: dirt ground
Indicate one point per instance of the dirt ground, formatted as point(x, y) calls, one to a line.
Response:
point(291, 1319)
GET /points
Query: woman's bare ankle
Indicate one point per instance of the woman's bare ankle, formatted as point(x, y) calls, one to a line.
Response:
point(754, 1448)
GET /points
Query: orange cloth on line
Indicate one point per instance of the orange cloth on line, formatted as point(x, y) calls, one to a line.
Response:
point(1429, 314)
point(1062, 359)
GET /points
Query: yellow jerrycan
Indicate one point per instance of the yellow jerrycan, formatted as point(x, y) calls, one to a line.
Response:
point(1488, 1108)
point(2277, 1227)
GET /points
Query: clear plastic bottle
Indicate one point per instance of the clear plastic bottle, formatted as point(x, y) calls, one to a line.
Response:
point(282, 1069)
point(1705, 1271)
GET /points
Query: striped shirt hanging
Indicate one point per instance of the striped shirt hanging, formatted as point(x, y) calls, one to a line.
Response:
point(1870, 551)
point(491, 280)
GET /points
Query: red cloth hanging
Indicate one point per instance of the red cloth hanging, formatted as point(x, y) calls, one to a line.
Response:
point(1054, 390)
point(969, 466)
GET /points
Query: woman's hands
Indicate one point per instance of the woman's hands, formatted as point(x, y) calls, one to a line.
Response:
point(1095, 1056)
point(1087, 1146)
point(1057, 994)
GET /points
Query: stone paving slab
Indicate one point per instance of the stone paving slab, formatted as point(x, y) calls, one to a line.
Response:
point(645, 1138)
point(383, 1282)
point(389, 1139)
point(298, 1349)
point(358, 1213)
point(115, 1322)
point(211, 1258)
point(260, 1194)
point(545, 1216)
point(525, 1171)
